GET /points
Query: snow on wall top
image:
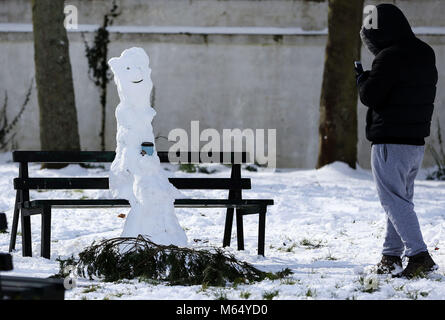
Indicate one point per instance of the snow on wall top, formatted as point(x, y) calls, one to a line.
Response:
point(23, 27)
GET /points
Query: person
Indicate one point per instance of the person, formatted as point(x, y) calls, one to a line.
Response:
point(399, 92)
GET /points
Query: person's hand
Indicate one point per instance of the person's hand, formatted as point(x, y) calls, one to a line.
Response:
point(362, 76)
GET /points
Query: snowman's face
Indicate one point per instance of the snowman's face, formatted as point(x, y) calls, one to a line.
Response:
point(131, 73)
point(132, 76)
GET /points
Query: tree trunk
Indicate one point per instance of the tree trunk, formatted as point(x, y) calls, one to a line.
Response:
point(338, 103)
point(58, 115)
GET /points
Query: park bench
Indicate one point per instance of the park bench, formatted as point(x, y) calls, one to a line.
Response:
point(26, 288)
point(25, 207)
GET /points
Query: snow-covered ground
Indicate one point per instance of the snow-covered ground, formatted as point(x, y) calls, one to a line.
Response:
point(326, 225)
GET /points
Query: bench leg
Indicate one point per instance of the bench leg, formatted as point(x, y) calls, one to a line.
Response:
point(15, 223)
point(26, 235)
point(45, 249)
point(261, 231)
point(239, 229)
point(228, 227)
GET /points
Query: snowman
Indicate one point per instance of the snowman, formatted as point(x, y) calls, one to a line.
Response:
point(138, 176)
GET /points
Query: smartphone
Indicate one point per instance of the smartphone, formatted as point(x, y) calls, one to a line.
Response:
point(358, 67)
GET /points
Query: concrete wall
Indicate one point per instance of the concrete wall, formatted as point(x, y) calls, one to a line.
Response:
point(222, 80)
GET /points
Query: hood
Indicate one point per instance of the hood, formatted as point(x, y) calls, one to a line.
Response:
point(392, 28)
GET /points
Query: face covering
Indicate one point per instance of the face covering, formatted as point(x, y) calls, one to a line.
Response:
point(371, 47)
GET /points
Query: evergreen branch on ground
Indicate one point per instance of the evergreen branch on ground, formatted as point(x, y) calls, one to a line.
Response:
point(130, 258)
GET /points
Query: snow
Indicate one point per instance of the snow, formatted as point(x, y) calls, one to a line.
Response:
point(140, 178)
point(326, 225)
point(23, 27)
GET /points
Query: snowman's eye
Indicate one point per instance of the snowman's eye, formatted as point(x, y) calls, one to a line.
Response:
point(128, 68)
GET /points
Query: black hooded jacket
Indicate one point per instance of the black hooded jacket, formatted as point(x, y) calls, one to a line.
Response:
point(401, 87)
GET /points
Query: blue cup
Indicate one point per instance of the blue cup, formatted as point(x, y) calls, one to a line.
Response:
point(147, 148)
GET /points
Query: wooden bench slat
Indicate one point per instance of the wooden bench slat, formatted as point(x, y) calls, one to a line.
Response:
point(222, 203)
point(210, 183)
point(70, 203)
point(103, 183)
point(179, 203)
point(60, 183)
point(63, 156)
point(108, 156)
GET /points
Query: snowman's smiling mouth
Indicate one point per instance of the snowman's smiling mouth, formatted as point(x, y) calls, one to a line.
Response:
point(139, 81)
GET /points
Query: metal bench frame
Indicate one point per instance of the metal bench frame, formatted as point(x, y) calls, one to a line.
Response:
point(25, 207)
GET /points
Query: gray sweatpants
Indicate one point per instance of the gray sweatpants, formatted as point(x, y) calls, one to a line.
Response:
point(394, 167)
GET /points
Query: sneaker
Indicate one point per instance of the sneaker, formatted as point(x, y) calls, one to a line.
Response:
point(389, 264)
point(418, 265)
